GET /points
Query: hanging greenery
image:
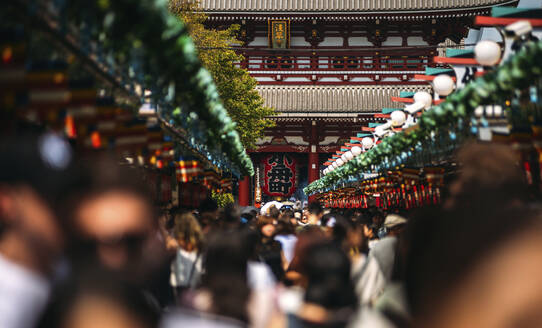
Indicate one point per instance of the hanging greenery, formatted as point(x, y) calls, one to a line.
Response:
point(444, 123)
point(146, 48)
point(222, 199)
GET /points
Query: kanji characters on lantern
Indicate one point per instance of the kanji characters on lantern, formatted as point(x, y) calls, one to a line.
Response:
point(279, 175)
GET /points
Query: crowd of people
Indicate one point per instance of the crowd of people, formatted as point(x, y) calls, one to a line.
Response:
point(82, 246)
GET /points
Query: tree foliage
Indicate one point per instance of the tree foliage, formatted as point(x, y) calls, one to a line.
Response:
point(235, 86)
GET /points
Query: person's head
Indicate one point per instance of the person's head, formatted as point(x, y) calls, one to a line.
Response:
point(266, 226)
point(187, 231)
point(230, 216)
point(298, 215)
point(225, 265)
point(348, 234)
point(98, 300)
point(327, 269)
point(365, 222)
point(305, 216)
point(306, 238)
point(209, 205)
point(487, 168)
point(377, 219)
point(36, 174)
point(315, 212)
point(394, 224)
point(284, 227)
point(113, 218)
point(476, 269)
point(273, 212)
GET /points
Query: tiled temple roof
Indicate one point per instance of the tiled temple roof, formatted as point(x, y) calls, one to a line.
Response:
point(333, 99)
point(368, 6)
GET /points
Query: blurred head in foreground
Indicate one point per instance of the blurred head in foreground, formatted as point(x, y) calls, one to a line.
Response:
point(477, 263)
point(113, 220)
point(35, 175)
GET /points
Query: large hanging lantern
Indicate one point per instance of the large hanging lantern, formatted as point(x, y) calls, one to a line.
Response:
point(349, 156)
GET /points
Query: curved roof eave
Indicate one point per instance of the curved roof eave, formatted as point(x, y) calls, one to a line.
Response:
point(263, 7)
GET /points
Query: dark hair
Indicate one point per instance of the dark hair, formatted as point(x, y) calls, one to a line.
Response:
point(24, 162)
point(103, 284)
point(284, 227)
point(287, 214)
point(327, 269)
point(340, 229)
point(208, 205)
point(225, 277)
point(230, 215)
point(485, 209)
point(264, 220)
point(274, 212)
point(315, 208)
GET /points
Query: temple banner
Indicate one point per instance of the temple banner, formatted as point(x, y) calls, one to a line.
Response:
point(279, 34)
point(279, 175)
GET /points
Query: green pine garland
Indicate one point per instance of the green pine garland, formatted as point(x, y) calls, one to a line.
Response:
point(146, 45)
point(497, 86)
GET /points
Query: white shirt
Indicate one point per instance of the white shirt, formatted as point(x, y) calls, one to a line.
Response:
point(23, 295)
point(185, 266)
point(260, 276)
point(288, 245)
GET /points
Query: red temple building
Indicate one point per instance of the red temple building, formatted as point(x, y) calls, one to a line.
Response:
point(328, 66)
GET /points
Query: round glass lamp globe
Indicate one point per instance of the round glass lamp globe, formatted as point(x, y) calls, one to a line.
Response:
point(356, 150)
point(423, 97)
point(487, 53)
point(367, 142)
point(443, 85)
point(398, 118)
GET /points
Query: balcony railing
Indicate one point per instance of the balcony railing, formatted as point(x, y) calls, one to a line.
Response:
point(330, 69)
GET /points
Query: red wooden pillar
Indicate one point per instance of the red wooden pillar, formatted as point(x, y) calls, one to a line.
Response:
point(244, 191)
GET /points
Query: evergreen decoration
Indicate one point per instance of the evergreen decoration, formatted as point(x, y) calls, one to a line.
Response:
point(145, 47)
point(443, 126)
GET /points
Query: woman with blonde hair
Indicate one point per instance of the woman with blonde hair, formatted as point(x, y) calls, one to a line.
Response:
point(186, 268)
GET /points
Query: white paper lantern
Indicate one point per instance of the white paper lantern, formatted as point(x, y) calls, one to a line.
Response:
point(423, 97)
point(330, 168)
point(479, 111)
point(489, 111)
point(349, 156)
point(398, 118)
point(335, 165)
point(356, 150)
point(343, 157)
point(497, 110)
point(443, 85)
point(487, 53)
point(367, 142)
point(340, 162)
